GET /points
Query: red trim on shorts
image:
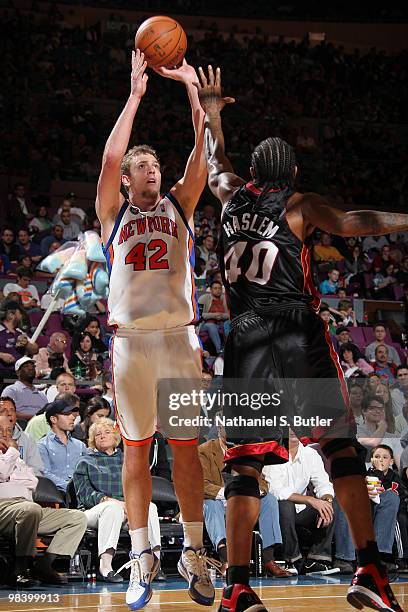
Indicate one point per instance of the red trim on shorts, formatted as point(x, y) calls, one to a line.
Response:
point(257, 448)
point(319, 432)
point(193, 442)
point(336, 361)
point(308, 284)
point(137, 442)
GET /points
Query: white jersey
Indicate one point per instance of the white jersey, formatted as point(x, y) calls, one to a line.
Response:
point(151, 267)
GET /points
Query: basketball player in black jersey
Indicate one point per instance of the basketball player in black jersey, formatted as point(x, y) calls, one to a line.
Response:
point(277, 334)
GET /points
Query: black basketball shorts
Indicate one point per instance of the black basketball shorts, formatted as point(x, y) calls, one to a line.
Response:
point(292, 352)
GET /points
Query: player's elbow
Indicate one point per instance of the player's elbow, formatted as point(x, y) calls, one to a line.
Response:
point(111, 159)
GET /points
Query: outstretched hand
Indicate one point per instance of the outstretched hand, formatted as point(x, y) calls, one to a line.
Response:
point(138, 77)
point(209, 90)
point(185, 73)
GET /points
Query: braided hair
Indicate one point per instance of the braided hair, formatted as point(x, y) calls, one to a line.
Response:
point(273, 161)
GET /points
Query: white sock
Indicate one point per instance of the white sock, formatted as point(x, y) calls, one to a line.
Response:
point(139, 539)
point(193, 535)
point(105, 563)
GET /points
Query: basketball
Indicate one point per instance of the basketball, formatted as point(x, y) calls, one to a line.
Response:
point(162, 40)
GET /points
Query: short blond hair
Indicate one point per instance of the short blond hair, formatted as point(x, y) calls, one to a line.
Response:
point(134, 152)
point(104, 422)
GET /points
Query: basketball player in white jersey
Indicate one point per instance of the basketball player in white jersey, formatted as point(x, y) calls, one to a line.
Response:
point(148, 242)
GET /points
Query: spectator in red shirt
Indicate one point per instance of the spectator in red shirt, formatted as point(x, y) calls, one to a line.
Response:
point(215, 314)
point(385, 369)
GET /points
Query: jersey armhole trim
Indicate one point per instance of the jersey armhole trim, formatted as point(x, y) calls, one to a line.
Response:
point(116, 226)
point(181, 212)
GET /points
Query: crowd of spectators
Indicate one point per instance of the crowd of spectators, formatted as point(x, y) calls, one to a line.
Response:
point(340, 110)
point(264, 9)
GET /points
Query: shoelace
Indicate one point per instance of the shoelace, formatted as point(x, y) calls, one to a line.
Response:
point(198, 562)
point(136, 572)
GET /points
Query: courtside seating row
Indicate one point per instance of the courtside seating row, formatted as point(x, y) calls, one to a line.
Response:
point(47, 494)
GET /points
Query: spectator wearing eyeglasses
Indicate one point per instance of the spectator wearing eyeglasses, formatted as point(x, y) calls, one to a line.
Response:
point(374, 430)
point(56, 346)
point(23, 520)
point(26, 446)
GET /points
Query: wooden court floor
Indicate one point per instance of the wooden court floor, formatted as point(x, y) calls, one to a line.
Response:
point(276, 599)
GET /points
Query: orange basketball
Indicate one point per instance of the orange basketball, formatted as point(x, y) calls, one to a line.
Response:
point(162, 40)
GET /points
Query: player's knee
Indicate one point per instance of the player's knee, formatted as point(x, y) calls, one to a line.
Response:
point(243, 485)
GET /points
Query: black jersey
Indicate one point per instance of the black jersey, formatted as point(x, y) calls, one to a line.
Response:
point(264, 265)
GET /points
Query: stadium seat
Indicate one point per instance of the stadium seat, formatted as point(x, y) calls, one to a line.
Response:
point(357, 336)
point(47, 494)
point(35, 317)
point(398, 293)
point(402, 353)
point(368, 279)
point(42, 341)
point(54, 323)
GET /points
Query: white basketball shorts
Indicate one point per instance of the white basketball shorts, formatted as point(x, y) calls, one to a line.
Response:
point(140, 360)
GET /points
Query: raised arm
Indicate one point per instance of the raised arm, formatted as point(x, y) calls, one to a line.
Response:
point(189, 188)
point(108, 199)
point(221, 178)
point(317, 212)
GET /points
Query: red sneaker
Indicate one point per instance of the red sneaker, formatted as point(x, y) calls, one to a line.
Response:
point(370, 587)
point(240, 598)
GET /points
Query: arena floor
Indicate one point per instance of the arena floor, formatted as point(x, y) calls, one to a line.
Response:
point(294, 595)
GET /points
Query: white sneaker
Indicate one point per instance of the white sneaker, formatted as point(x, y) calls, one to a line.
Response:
point(193, 567)
point(143, 569)
point(291, 568)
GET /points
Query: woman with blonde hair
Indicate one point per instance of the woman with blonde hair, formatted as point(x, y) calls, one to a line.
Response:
point(98, 486)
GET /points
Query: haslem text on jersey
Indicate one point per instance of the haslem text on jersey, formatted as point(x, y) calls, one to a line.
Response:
point(261, 225)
